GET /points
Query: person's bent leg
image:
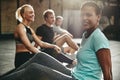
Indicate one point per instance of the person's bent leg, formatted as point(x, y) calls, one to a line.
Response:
point(60, 40)
point(63, 58)
point(31, 72)
point(37, 72)
point(66, 38)
point(17, 75)
point(46, 60)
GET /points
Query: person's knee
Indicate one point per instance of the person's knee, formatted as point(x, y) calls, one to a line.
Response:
point(64, 37)
point(32, 72)
point(39, 55)
point(67, 36)
point(32, 66)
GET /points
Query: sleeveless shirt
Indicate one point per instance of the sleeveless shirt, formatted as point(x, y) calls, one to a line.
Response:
point(29, 35)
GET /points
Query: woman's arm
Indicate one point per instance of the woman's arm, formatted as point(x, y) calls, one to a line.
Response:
point(36, 45)
point(104, 59)
point(22, 34)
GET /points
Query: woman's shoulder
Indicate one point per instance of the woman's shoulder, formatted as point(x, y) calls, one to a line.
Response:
point(99, 35)
point(20, 26)
point(18, 29)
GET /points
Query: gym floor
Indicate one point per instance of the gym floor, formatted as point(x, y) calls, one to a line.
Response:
point(7, 54)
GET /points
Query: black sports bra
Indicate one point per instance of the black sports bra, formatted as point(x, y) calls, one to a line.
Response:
point(29, 35)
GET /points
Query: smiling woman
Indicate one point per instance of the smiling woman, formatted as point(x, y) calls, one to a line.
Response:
point(94, 46)
point(25, 35)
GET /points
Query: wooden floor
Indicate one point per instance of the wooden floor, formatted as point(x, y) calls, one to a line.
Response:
point(7, 54)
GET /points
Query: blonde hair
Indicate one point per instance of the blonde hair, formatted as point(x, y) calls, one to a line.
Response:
point(20, 11)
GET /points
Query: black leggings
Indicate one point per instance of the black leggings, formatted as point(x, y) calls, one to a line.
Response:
point(60, 57)
point(40, 66)
point(22, 57)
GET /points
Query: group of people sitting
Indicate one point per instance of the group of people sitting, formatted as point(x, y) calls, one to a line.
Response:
point(46, 33)
point(31, 63)
point(54, 34)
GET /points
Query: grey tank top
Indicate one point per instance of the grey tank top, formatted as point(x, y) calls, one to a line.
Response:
point(29, 35)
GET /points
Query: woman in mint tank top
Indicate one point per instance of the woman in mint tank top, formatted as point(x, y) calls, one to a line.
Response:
point(93, 57)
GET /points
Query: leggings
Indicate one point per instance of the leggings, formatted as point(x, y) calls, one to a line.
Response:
point(22, 57)
point(60, 57)
point(40, 66)
point(64, 58)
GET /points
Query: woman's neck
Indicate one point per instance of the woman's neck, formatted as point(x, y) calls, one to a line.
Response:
point(89, 32)
point(26, 23)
